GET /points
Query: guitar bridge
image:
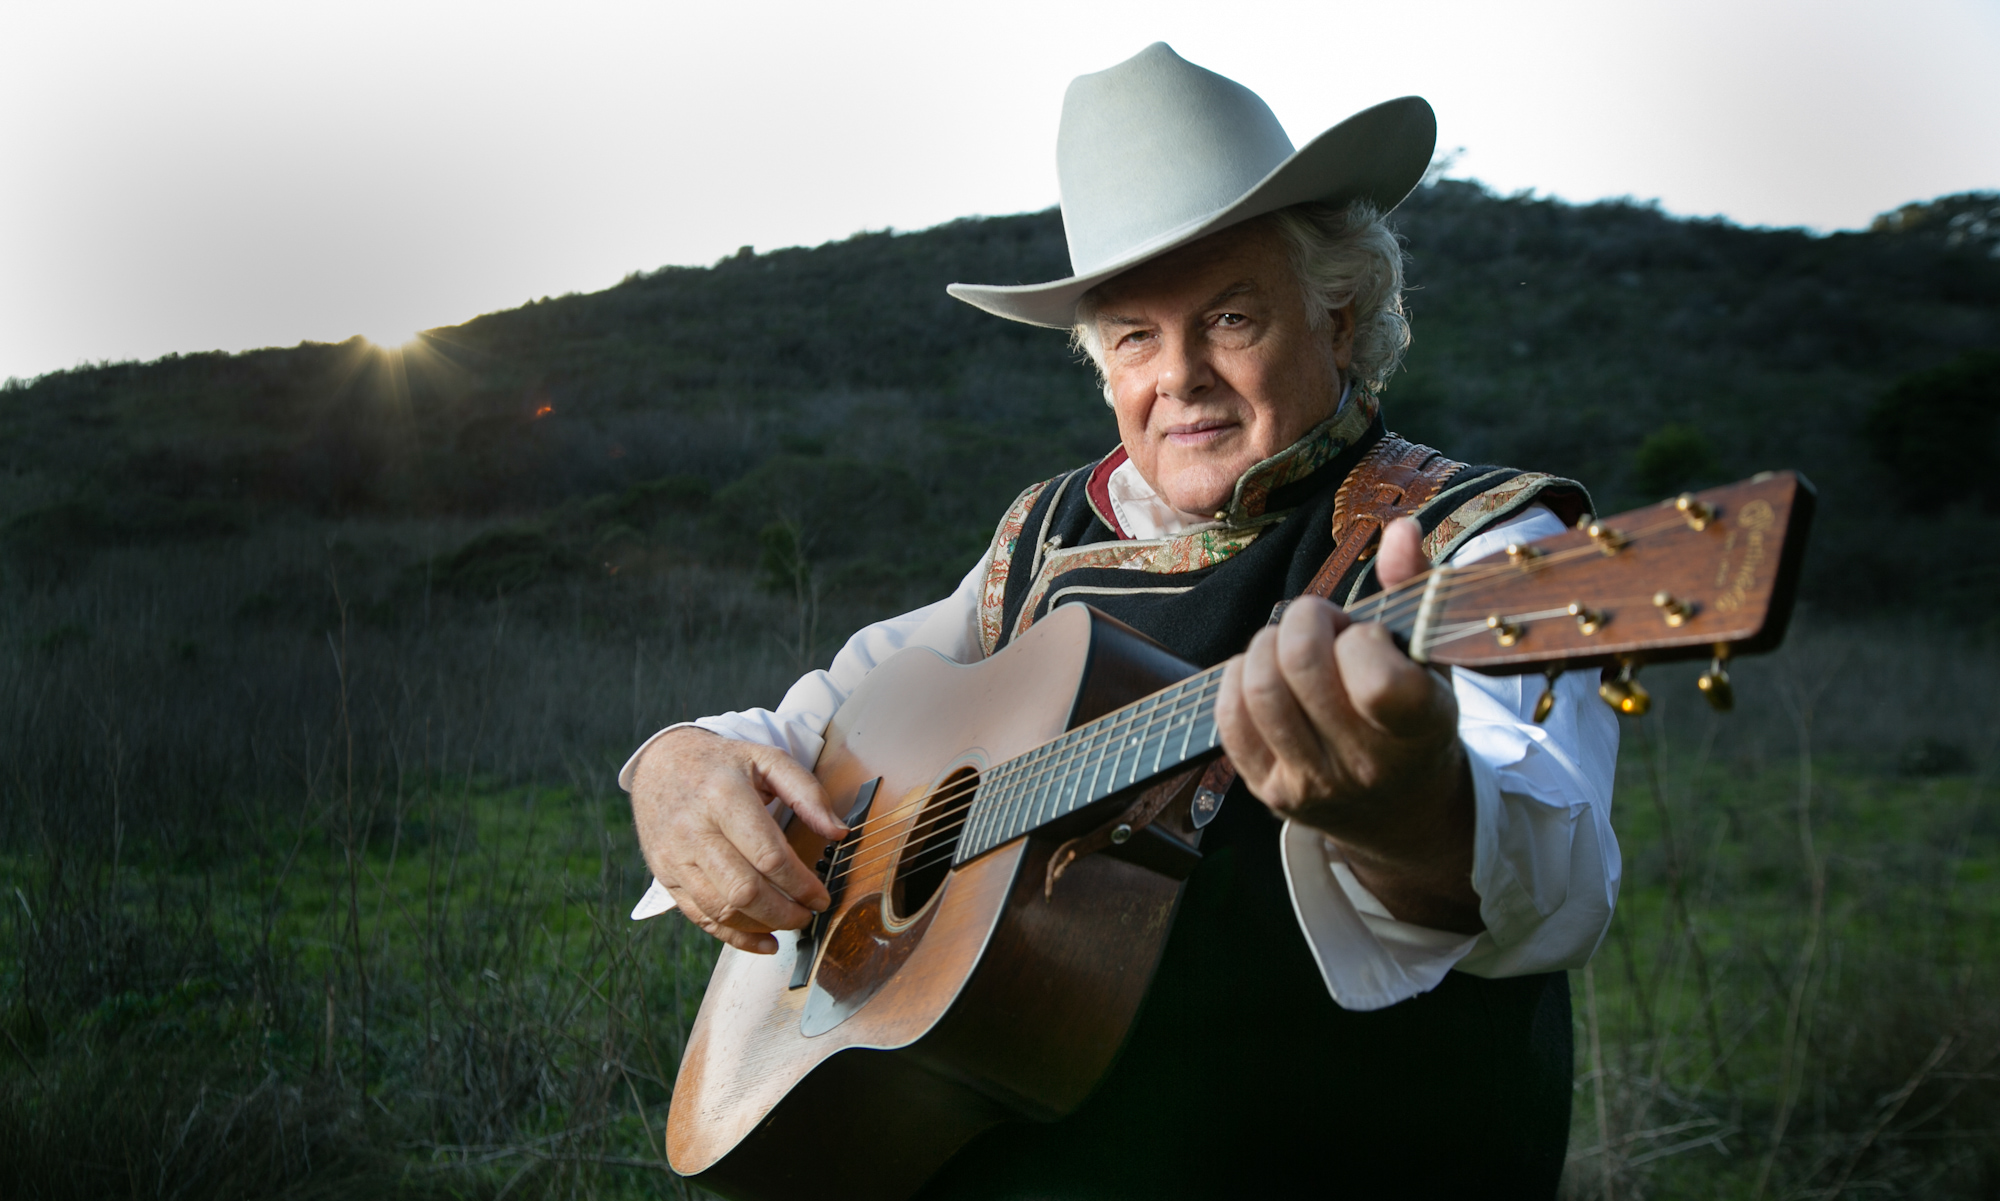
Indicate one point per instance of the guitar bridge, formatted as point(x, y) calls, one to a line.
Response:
point(829, 874)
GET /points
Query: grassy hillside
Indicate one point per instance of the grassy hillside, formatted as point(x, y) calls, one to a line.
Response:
point(1631, 350)
point(317, 666)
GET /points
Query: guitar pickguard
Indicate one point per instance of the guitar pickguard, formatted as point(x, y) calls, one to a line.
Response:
point(861, 955)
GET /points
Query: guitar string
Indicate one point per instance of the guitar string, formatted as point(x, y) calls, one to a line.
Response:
point(877, 854)
point(1069, 740)
point(1464, 580)
point(1394, 603)
point(1387, 606)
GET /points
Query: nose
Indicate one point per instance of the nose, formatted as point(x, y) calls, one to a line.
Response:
point(1185, 372)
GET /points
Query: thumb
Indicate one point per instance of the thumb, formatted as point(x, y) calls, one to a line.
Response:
point(781, 776)
point(1402, 553)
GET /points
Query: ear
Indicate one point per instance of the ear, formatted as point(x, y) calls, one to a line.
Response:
point(1340, 328)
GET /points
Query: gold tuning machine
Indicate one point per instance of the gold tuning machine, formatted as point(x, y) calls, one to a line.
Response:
point(1546, 703)
point(1588, 620)
point(1674, 612)
point(1623, 692)
point(1698, 515)
point(1520, 554)
point(1505, 632)
point(1714, 683)
point(1608, 540)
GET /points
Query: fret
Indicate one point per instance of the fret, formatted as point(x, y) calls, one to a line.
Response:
point(982, 806)
point(1187, 728)
point(1020, 814)
point(1073, 783)
point(1010, 819)
point(1004, 801)
point(1050, 794)
point(1002, 813)
point(1085, 765)
point(1005, 819)
point(1097, 762)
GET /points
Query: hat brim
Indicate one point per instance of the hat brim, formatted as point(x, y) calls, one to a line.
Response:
point(1379, 154)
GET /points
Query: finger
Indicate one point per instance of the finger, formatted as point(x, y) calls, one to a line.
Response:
point(742, 940)
point(1402, 553)
point(700, 897)
point(733, 892)
point(1274, 709)
point(780, 775)
point(1246, 749)
point(1306, 640)
point(1390, 692)
point(757, 839)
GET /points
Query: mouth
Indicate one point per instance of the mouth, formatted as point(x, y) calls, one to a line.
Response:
point(1199, 433)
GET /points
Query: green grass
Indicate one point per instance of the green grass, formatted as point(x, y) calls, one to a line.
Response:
point(1796, 997)
point(329, 899)
point(456, 986)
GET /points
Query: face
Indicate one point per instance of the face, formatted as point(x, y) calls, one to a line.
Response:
point(1213, 364)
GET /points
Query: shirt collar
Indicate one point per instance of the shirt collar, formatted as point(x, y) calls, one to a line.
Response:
point(1133, 508)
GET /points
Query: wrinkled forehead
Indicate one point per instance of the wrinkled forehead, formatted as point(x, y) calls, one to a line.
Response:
point(1242, 261)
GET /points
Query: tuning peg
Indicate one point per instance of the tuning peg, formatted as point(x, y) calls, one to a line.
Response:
point(1674, 612)
point(1546, 703)
point(1608, 540)
point(1714, 683)
point(1624, 693)
point(1698, 514)
point(1588, 620)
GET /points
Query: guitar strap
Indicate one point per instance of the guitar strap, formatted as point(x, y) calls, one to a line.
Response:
point(1396, 478)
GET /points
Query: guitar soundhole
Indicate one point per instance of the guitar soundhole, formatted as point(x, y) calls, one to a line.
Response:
point(933, 837)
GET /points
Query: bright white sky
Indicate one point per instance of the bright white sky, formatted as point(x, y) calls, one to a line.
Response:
point(205, 175)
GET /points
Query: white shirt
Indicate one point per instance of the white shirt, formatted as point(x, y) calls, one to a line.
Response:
point(1544, 863)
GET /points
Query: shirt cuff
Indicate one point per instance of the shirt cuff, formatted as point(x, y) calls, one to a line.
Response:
point(1368, 959)
point(656, 901)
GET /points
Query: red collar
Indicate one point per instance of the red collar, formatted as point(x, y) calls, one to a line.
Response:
point(1099, 490)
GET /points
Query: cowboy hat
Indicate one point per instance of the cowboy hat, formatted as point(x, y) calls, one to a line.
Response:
point(1157, 152)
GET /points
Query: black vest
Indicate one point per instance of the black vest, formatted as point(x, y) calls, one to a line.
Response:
point(1242, 1075)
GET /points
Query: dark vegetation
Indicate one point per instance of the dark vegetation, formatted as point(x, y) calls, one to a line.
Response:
point(317, 665)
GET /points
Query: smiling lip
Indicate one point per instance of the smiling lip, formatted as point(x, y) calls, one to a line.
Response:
point(1198, 433)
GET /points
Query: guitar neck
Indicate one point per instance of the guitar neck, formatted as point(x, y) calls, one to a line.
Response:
point(1124, 747)
point(1704, 575)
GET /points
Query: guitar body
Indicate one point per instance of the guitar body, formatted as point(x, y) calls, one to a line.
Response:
point(955, 983)
point(942, 1002)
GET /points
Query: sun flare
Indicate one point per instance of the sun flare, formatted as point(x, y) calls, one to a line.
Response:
point(392, 341)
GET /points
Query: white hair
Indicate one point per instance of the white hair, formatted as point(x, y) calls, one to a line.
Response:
point(1340, 256)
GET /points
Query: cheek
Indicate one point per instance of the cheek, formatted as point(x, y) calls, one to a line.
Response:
point(1131, 402)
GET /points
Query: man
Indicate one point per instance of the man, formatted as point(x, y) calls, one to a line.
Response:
point(1306, 1029)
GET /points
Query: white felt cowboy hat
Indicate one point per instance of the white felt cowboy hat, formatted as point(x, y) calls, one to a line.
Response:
point(1157, 152)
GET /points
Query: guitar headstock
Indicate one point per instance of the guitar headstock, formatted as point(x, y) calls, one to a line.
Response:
point(1707, 575)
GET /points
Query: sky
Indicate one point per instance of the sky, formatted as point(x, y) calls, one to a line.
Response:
point(196, 176)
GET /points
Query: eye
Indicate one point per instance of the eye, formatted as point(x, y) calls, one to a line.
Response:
point(1135, 337)
point(1231, 320)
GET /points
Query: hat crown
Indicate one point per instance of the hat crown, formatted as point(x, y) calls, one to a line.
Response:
point(1153, 145)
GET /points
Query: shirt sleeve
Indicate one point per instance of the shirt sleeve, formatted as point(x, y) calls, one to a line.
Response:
point(949, 626)
point(1545, 863)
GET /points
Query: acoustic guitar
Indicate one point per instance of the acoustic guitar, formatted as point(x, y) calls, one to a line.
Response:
point(957, 981)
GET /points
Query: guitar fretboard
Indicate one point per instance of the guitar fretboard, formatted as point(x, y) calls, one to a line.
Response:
point(1113, 753)
point(1092, 762)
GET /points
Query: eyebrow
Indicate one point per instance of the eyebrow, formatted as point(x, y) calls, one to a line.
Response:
point(1240, 288)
